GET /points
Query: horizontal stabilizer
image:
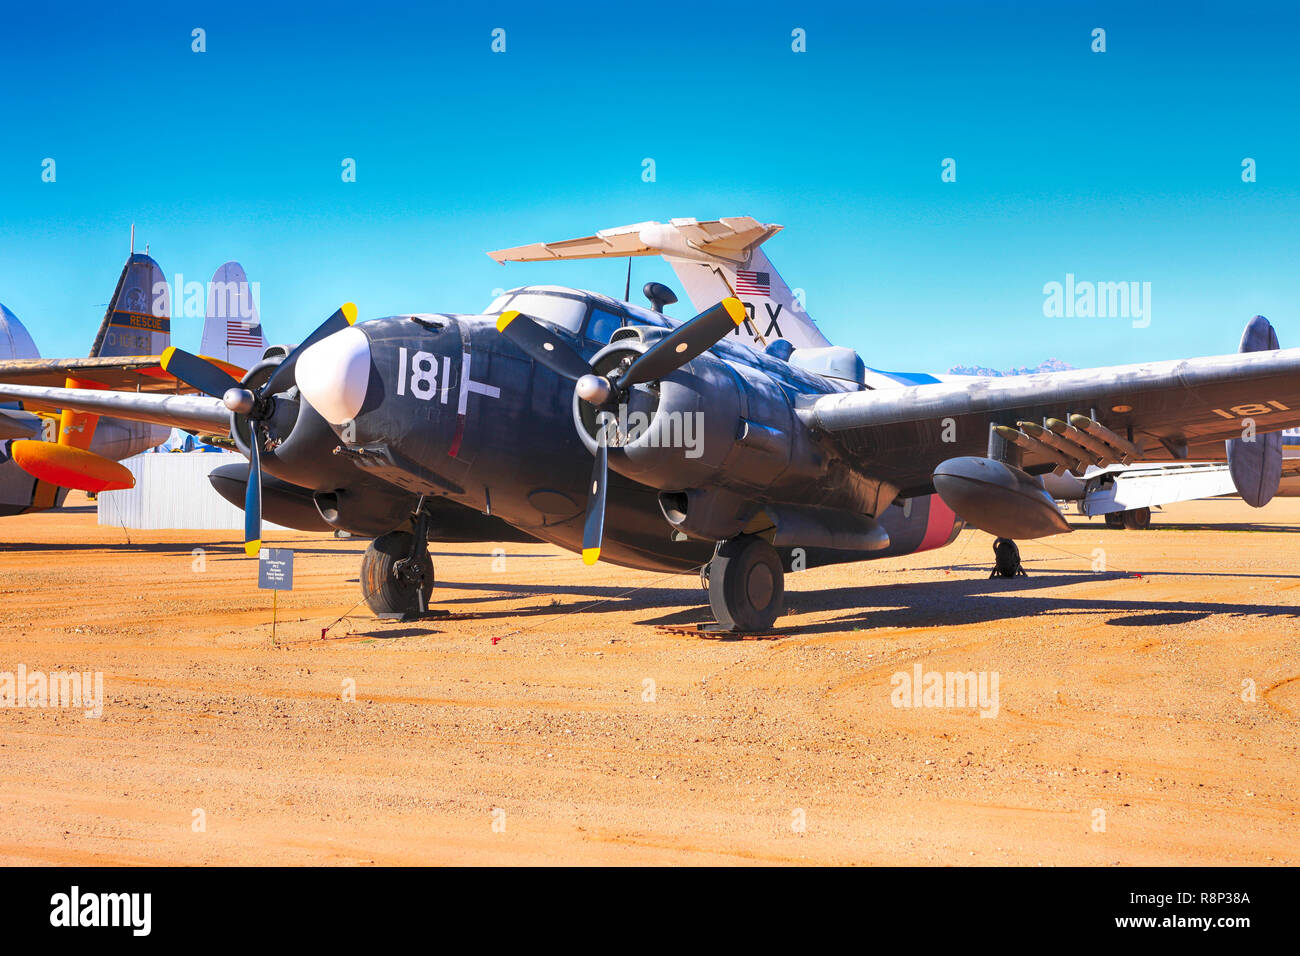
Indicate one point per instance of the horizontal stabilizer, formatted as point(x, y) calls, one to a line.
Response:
point(727, 239)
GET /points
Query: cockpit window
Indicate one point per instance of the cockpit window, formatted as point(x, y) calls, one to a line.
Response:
point(603, 324)
point(498, 304)
point(563, 311)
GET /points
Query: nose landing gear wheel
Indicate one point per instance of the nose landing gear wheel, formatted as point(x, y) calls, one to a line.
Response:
point(746, 584)
point(395, 583)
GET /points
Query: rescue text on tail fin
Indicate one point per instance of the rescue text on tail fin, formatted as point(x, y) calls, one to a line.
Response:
point(138, 320)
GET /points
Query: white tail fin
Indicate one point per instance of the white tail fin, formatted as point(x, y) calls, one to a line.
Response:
point(713, 260)
point(232, 330)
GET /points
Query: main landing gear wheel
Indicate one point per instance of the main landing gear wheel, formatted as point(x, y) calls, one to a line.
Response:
point(746, 584)
point(1006, 560)
point(397, 576)
point(1114, 519)
point(1139, 519)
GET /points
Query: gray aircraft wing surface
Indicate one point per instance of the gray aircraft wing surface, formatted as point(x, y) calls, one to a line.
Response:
point(195, 412)
point(1173, 410)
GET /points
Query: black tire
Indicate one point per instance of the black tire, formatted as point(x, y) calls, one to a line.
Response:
point(1114, 519)
point(1139, 519)
point(746, 584)
point(1006, 559)
point(388, 592)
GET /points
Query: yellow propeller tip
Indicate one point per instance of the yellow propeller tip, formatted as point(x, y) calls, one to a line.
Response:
point(505, 319)
point(735, 308)
point(349, 311)
point(590, 555)
point(252, 547)
point(166, 356)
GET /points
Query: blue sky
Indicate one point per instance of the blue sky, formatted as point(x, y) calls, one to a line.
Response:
point(1115, 166)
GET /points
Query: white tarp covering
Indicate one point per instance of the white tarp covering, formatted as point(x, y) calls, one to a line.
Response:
point(173, 491)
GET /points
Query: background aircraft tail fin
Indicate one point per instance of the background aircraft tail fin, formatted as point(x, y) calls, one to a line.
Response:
point(713, 259)
point(138, 320)
point(232, 329)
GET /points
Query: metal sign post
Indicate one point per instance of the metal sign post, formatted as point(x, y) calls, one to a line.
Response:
point(275, 573)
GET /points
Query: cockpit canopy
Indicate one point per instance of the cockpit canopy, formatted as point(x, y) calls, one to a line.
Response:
point(597, 317)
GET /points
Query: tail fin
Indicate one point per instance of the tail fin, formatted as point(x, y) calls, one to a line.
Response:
point(713, 260)
point(138, 320)
point(19, 491)
point(232, 330)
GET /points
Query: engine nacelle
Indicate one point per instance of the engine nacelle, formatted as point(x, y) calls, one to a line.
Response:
point(282, 503)
point(369, 515)
point(705, 424)
point(998, 498)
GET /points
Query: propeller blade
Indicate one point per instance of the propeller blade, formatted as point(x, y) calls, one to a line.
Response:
point(197, 372)
point(253, 497)
point(685, 342)
point(594, 528)
point(542, 344)
point(282, 378)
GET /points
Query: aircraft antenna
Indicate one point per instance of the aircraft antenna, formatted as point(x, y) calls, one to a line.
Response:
point(132, 238)
point(627, 287)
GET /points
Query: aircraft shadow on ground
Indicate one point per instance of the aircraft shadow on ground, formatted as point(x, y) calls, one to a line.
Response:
point(1125, 573)
point(966, 601)
point(913, 604)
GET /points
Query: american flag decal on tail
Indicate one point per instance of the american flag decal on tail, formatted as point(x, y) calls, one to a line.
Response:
point(753, 283)
point(240, 332)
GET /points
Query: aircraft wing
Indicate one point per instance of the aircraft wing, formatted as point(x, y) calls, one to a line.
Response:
point(195, 412)
point(1172, 409)
point(134, 373)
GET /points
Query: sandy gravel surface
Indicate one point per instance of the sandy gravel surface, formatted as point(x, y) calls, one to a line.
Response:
point(547, 720)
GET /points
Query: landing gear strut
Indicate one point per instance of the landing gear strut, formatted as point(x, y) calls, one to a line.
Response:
point(1006, 560)
point(746, 584)
point(397, 572)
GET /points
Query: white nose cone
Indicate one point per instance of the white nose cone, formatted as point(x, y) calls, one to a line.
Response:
point(333, 375)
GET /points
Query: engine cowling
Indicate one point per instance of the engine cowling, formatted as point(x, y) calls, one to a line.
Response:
point(705, 424)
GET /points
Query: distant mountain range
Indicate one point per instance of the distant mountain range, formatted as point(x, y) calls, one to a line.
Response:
point(1051, 365)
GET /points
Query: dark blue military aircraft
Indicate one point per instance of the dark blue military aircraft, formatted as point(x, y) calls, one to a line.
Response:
point(615, 432)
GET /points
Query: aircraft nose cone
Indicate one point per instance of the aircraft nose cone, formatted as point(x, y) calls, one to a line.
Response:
point(334, 374)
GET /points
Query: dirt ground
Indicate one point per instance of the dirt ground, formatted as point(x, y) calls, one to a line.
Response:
point(547, 720)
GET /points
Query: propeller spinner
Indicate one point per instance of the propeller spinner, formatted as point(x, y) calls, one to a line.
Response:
point(256, 404)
